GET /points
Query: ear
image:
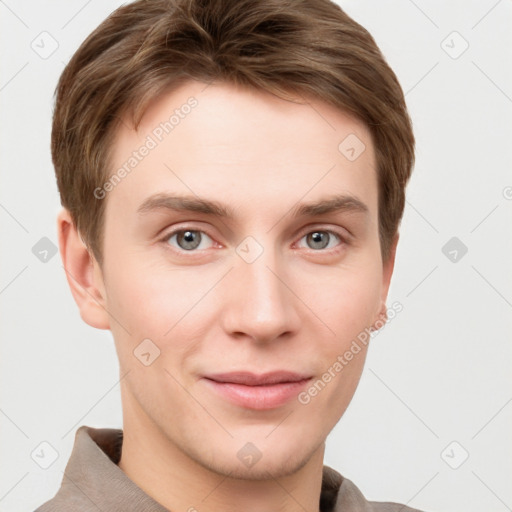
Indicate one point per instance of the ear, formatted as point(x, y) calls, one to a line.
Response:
point(387, 272)
point(83, 273)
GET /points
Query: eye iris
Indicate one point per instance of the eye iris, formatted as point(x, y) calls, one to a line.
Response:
point(316, 237)
point(191, 239)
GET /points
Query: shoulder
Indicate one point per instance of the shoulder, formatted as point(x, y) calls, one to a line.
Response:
point(63, 503)
point(377, 506)
point(348, 497)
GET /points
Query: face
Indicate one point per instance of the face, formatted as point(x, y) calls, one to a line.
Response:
point(244, 275)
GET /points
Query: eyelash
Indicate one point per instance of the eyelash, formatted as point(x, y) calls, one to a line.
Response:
point(344, 240)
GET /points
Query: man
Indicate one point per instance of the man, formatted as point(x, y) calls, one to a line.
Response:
point(232, 175)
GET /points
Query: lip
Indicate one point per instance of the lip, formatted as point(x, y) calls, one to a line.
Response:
point(259, 392)
point(253, 379)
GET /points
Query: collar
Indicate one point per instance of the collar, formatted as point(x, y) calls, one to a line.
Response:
point(93, 480)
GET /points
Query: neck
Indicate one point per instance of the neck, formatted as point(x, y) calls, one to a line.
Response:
point(179, 482)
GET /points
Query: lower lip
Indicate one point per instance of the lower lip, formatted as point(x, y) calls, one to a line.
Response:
point(258, 397)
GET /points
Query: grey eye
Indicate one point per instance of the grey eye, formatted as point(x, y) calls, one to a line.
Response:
point(320, 239)
point(188, 239)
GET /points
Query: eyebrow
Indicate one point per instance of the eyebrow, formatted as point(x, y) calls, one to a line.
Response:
point(332, 204)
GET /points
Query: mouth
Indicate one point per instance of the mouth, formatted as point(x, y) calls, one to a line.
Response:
point(258, 392)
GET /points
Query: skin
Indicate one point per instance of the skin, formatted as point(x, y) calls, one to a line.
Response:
point(296, 307)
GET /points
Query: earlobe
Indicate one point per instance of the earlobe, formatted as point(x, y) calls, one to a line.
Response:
point(83, 273)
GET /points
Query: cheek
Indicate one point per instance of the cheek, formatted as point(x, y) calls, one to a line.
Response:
point(345, 299)
point(144, 296)
point(349, 302)
point(170, 307)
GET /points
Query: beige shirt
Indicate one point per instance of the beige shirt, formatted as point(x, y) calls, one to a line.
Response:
point(93, 482)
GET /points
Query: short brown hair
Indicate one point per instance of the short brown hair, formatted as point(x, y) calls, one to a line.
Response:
point(142, 49)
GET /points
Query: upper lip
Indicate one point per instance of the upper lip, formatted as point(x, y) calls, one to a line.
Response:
point(252, 379)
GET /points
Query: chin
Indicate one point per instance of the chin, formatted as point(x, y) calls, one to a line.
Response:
point(249, 463)
point(261, 470)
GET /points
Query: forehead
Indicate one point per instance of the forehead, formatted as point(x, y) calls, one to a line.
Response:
point(244, 147)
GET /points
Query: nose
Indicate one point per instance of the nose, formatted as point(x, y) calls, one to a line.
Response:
point(259, 300)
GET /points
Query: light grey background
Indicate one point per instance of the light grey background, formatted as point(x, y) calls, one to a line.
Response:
point(437, 373)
